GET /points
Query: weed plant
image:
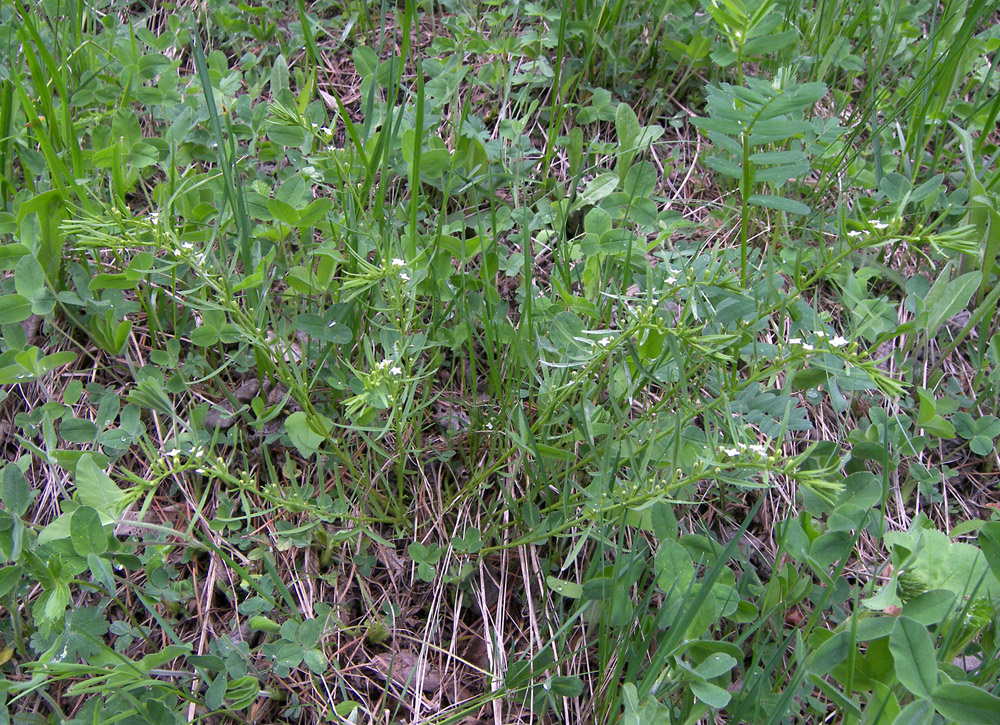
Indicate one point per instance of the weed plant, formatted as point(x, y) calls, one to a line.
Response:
point(473, 361)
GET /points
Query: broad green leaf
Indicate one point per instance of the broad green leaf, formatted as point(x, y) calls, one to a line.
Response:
point(14, 308)
point(86, 532)
point(831, 653)
point(918, 712)
point(283, 212)
point(303, 436)
point(216, 692)
point(15, 492)
point(313, 212)
point(961, 702)
point(29, 278)
point(715, 665)
point(94, 487)
point(570, 590)
point(566, 686)
point(989, 542)
point(711, 695)
point(599, 188)
point(627, 126)
point(947, 298)
point(913, 654)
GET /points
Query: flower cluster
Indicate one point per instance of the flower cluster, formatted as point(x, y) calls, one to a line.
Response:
point(387, 364)
point(398, 266)
point(757, 450)
point(820, 335)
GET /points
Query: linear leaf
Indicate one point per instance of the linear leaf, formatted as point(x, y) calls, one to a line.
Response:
point(779, 203)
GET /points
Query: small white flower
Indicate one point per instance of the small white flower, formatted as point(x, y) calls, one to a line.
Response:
point(489, 426)
point(838, 341)
point(731, 452)
point(397, 262)
point(605, 341)
point(855, 233)
point(879, 225)
point(404, 276)
point(396, 370)
point(154, 217)
point(807, 347)
point(795, 341)
point(820, 333)
point(758, 449)
point(172, 453)
point(187, 246)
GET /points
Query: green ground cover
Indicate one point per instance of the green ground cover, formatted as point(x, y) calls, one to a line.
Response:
point(499, 362)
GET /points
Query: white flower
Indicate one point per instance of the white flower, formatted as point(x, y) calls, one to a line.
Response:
point(172, 453)
point(154, 217)
point(383, 365)
point(820, 333)
point(795, 341)
point(397, 262)
point(758, 449)
point(396, 370)
point(855, 233)
point(605, 341)
point(879, 225)
point(404, 276)
point(838, 341)
point(807, 347)
point(731, 452)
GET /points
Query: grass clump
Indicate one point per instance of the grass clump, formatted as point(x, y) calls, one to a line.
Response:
point(496, 363)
